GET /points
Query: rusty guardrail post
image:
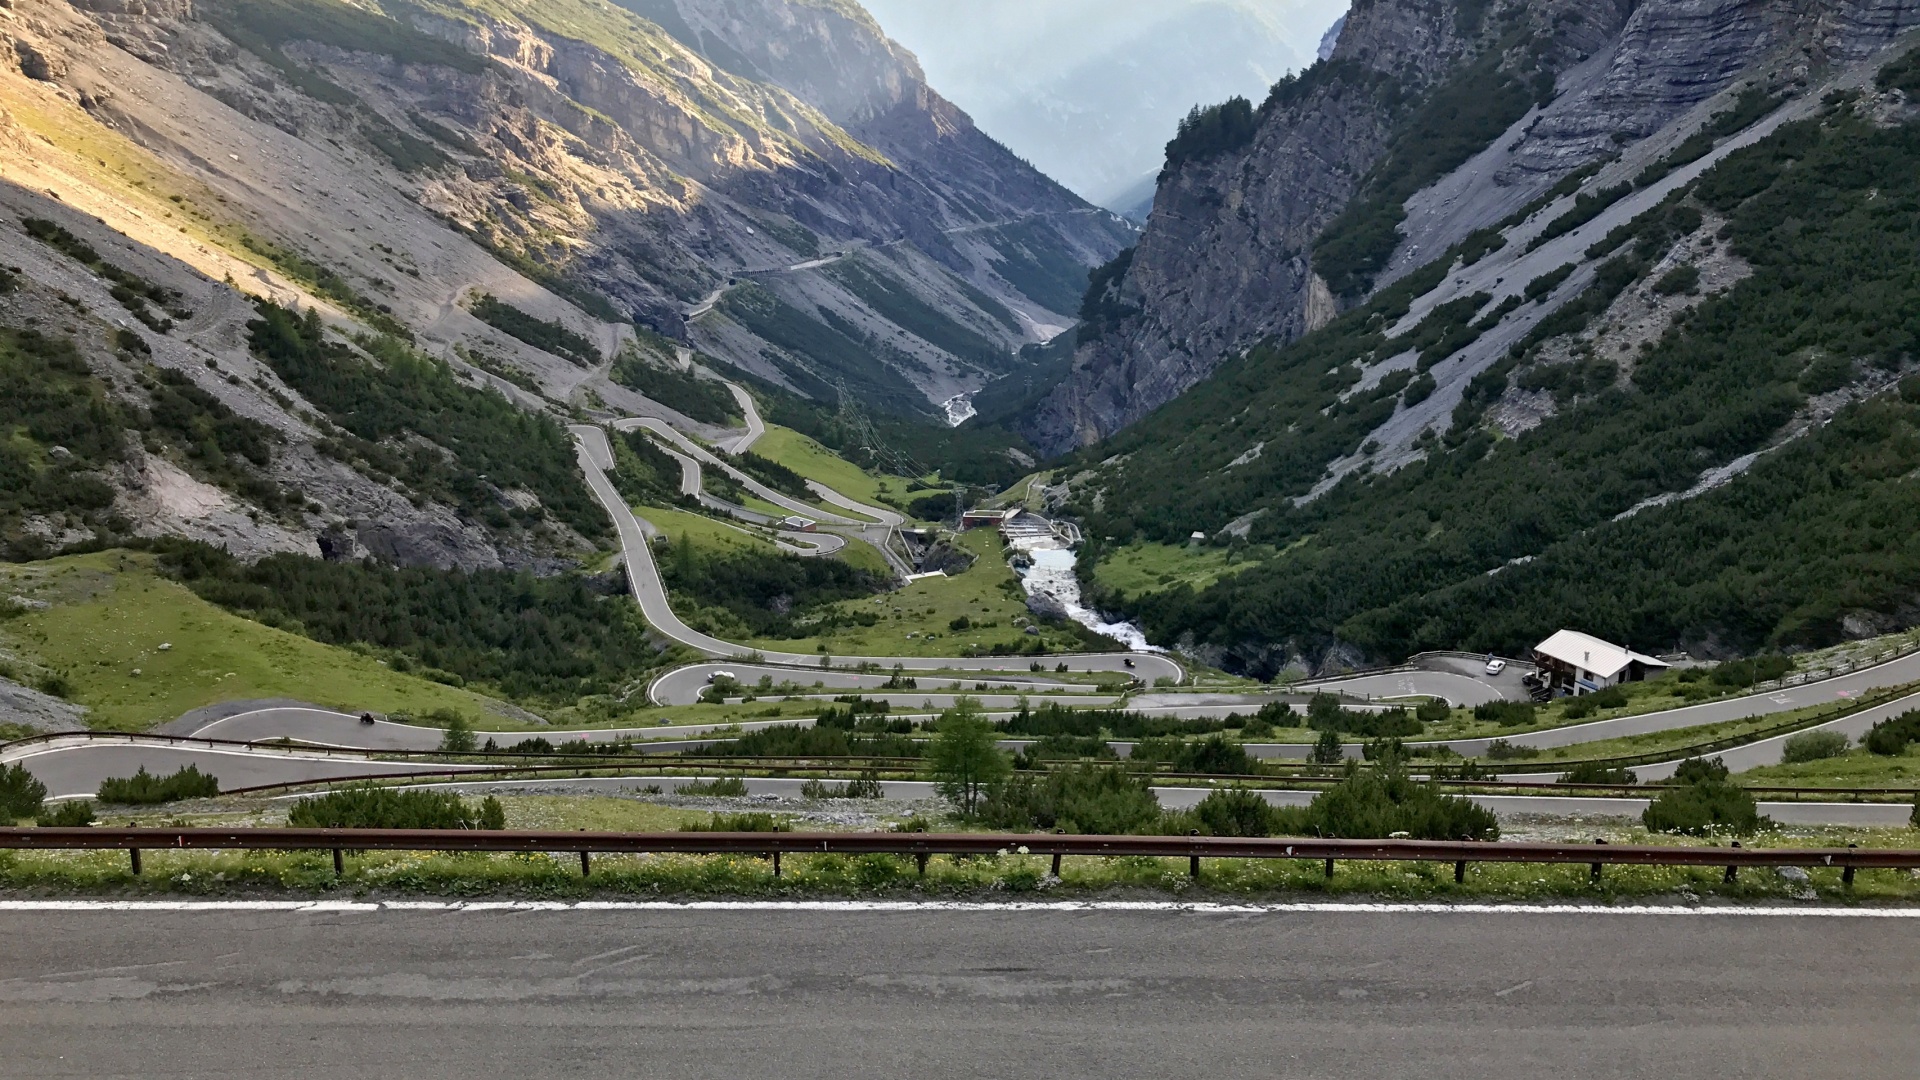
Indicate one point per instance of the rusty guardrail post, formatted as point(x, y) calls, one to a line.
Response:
point(134, 854)
point(776, 863)
point(1460, 872)
point(1733, 872)
point(1329, 869)
point(1593, 871)
point(1846, 876)
point(586, 863)
point(339, 864)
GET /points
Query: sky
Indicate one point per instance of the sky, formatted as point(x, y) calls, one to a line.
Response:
point(1090, 90)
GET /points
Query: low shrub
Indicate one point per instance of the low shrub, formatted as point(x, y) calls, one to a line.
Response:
point(1814, 746)
point(1701, 771)
point(1502, 750)
point(21, 793)
point(866, 787)
point(1214, 756)
point(458, 738)
point(1328, 750)
point(1101, 800)
point(1706, 803)
point(145, 789)
point(1506, 713)
point(722, 786)
point(1325, 713)
point(367, 806)
point(739, 823)
point(1613, 697)
point(1433, 712)
point(1890, 738)
point(1704, 809)
point(77, 814)
point(1228, 812)
point(1384, 801)
point(1591, 772)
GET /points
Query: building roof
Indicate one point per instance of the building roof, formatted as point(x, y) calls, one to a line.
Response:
point(1603, 658)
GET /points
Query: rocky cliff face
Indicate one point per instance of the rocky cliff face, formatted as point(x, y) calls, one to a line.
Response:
point(1227, 259)
point(773, 184)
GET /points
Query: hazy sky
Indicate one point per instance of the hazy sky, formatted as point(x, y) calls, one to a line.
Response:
point(1095, 59)
point(964, 42)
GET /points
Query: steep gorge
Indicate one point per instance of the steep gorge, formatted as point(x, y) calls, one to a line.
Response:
point(1456, 113)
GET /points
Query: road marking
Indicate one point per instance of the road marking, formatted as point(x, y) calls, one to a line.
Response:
point(855, 907)
point(1512, 989)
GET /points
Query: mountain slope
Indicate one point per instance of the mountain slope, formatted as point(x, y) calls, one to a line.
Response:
point(1658, 396)
point(476, 197)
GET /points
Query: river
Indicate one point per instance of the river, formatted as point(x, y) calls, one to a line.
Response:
point(1052, 575)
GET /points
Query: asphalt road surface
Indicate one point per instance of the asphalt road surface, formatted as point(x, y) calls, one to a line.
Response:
point(1506, 807)
point(76, 771)
point(770, 994)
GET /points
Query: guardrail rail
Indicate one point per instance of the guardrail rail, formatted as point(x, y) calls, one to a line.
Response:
point(923, 846)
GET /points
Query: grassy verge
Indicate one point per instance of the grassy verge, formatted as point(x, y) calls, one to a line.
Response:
point(1675, 740)
point(919, 620)
point(110, 614)
point(1855, 768)
point(816, 462)
point(704, 531)
point(689, 876)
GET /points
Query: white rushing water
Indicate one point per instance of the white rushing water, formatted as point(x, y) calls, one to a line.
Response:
point(1052, 575)
point(959, 409)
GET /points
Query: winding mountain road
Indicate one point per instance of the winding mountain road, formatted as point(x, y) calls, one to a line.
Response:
point(650, 593)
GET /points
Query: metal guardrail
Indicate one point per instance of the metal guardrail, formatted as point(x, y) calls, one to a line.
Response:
point(750, 769)
point(922, 846)
point(1834, 671)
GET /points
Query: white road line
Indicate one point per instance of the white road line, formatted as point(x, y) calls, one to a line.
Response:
point(909, 907)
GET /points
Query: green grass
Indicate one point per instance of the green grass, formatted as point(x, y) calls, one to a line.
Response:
point(542, 875)
point(1855, 768)
point(111, 612)
point(816, 462)
point(1146, 568)
point(704, 531)
point(988, 592)
point(1662, 741)
point(861, 554)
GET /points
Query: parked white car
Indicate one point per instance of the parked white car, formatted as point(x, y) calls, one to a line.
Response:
point(718, 675)
point(1495, 667)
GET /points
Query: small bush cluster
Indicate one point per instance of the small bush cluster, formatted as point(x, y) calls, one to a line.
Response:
point(74, 814)
point(1325, 713)
point(145, 789)
point(1214, 755)
point(1706, 802)
point(1593, 772)
point(865, 787)
point(730, 787)
point(21, 794)
point(1385, 801)
point(1890, 738)
point(1104, 800)
point(739, 823)
point(1814, 746)
point(1502, 750)
point(366, 806)
point(1505, 713)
